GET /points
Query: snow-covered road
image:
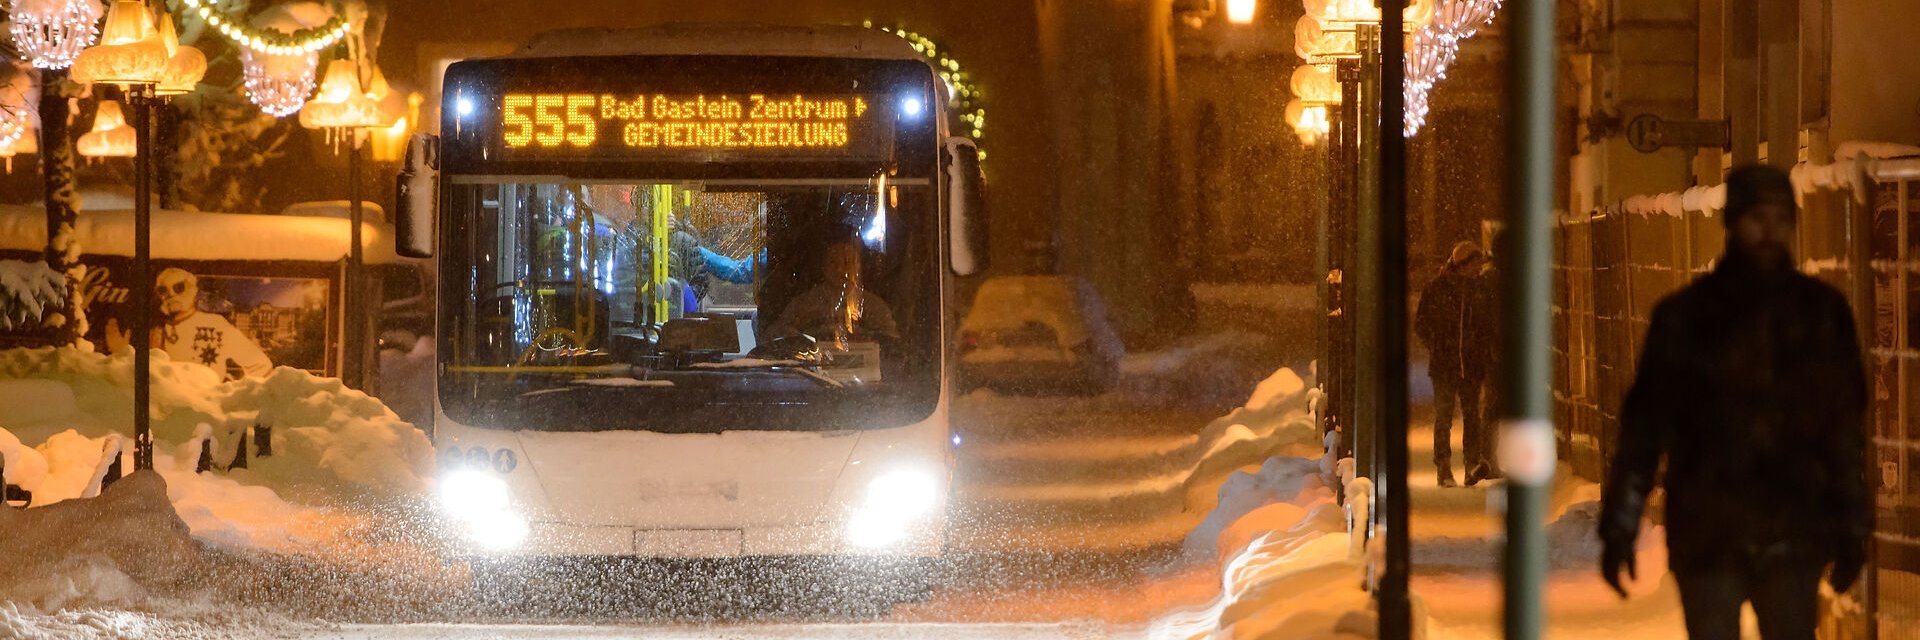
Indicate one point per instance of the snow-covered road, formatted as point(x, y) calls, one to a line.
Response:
point(869, 631)
point(1069, 520)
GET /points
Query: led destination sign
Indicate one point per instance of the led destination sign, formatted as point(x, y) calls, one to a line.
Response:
point(605, 124)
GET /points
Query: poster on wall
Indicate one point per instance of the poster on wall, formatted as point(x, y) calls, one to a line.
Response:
point(237, 318)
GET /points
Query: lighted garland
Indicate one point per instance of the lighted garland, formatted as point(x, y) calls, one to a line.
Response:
point(963, 96)
point(1434, 47)
point(271, 42)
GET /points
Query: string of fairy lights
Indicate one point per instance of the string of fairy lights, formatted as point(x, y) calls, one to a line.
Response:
point(272, 42)
point(963, 96)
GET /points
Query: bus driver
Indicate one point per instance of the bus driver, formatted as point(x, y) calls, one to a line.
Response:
point(837, 308)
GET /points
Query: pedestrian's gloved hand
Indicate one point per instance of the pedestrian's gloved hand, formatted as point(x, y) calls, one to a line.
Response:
point(1618, 554)
point(1848, 560)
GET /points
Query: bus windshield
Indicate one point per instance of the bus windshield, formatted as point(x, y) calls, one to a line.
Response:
point(690, 306)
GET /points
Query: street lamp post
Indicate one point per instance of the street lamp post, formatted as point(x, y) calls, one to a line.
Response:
point(345, 106)
point(138, 57)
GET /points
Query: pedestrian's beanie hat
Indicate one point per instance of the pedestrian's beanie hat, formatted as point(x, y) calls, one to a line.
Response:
point(1753, 184)
point(1462, 252)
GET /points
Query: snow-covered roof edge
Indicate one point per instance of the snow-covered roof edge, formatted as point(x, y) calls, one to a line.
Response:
point(1854, 165)
point(181, 235)
point(826, 41)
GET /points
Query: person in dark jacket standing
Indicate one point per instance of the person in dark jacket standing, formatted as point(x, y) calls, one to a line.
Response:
point(1752, 387)
point(1444, 323)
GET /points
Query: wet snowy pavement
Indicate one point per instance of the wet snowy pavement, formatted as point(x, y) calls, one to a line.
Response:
point(871, 631)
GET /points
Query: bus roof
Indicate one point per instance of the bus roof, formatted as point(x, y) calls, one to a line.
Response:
point(741, 39)
point(184, 235)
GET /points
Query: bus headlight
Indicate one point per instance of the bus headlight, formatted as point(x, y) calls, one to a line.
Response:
point(894, 501)
point(907, 493)
point(478, 501)
point(465, 494)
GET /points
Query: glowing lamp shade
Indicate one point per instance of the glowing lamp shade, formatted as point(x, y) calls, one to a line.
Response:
point(51, 33)
point(341, 103)
point(1309, 121)
point(1240, 11)
point(131, 51)
point(1315, 42)
point(24, 144)
point(1316, 84)
point(28, 142)
point(110, 137)
point(185, 65)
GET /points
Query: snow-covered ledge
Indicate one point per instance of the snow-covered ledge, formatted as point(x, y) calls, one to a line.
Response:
point(1855, 166)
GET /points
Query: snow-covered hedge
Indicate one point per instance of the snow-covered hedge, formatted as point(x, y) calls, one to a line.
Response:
point(28, 290)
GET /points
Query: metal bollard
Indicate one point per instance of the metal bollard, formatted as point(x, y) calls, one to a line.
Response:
point(239, 454)
point(263, 440)
point(113, 472)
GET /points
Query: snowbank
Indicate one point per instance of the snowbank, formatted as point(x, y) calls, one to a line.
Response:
point(329, 441)
point(1288, 568)
point(115, 549)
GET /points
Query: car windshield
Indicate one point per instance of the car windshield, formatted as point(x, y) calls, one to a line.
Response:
point(691, 306)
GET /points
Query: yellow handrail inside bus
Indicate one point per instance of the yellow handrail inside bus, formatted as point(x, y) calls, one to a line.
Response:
point(662, 208)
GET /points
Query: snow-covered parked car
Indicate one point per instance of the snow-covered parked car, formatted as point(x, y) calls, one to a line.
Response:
point(1039, 333)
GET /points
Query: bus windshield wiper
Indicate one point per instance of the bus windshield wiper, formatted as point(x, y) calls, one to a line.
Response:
point(794, 367)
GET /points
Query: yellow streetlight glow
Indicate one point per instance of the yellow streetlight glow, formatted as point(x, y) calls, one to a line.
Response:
point(1240, 11)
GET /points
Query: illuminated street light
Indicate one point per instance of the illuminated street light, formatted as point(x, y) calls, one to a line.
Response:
point(110, 137)
point(185, 65)
point(346, 108)
point(130, 51)
point(1309, 121)
point(138, 57)
point(1240, 11)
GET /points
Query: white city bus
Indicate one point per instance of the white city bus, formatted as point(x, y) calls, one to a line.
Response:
point(694, 288)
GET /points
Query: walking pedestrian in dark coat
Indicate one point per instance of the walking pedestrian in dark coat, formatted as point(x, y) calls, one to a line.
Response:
point(1444, 322)
point(1751, 386)
point(1483, 342)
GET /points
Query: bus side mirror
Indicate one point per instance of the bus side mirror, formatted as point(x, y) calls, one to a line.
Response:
point(417, 196)
point(966, 207)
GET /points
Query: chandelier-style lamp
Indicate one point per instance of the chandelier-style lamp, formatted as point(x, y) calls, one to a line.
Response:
point(51, 33)
point(278, 84)
point(1433, 48)
point(111, 137)
point(130, 51)
point(185, 65)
